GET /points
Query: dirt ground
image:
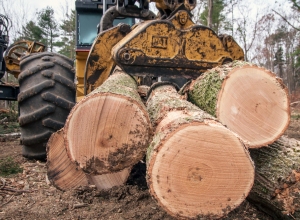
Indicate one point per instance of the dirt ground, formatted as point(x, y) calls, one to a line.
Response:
point(29, 195)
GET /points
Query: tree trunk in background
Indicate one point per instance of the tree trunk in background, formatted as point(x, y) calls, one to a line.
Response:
point(249, 100)
point(197, 168)
point(210, 7)
point(277, 180)
point(109, 130)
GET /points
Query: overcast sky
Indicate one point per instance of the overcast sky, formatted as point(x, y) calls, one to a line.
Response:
point(26, 9)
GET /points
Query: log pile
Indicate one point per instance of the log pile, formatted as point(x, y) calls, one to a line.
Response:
point(277, 181)
point(197, 142)
point(105, 134)
point(195, 166)
point(247, 99)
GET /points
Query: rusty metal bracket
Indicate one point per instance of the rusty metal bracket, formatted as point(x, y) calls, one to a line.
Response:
point(115, 12)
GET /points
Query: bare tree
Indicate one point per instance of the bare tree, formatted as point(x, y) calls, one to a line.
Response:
point(19, 16)
point(246, 30)
point(210, 6)
point(197, 11)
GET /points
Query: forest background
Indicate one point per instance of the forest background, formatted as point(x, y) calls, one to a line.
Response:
point(267, 30)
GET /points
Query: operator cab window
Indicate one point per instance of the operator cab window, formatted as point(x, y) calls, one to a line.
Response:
point(87, 25)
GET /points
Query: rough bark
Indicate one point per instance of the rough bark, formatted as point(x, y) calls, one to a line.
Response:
point(196, 167)
point(277, 180)
point(249, 100)
point(109, 130)
point(62, 173)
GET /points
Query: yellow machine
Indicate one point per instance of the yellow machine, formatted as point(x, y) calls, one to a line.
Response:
point(16, 51)
point(168, 45)
point(171, 44)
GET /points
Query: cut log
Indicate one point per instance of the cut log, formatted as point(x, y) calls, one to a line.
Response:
point(249, 100)
point(107, 181)
point(277, 179)
point(66, 175)
point(109, 130)
point(62, 173)
point(196, 168)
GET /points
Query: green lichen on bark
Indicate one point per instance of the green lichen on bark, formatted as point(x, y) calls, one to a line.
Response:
point(276, 185)
point(164, 100)
point(205, 89)
point(120, 84)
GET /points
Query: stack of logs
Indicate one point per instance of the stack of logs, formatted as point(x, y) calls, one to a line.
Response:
point(198, 160)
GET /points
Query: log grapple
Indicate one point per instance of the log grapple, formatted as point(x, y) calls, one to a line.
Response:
point(171, 45)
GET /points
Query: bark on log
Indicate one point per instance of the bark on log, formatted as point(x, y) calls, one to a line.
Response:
point(276, 188)
point(249, 100)
point(62, 173)
point(109, 130)
point(196, 168)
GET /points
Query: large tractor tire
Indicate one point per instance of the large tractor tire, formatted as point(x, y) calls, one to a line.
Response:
point(47, 94)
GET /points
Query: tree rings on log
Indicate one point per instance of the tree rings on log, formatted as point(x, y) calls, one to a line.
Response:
point(200, 170)
point(109, 130)
point(107, 181)
point(249, 100)
point(62, 173)
point(196, 168)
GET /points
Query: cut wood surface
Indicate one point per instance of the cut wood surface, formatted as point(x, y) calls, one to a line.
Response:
point(107, 181)
point(62, 173)
point(277, 180)
point(249, 100)
point(109, 130)
point(196, 167)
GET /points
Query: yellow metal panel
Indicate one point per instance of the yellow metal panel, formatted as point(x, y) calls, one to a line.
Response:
point(81, 57)
point(100, 63)
point(203, 44)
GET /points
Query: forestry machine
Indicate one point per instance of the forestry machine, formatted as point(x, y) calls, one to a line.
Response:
point(167, 46)
point(7, 92)
point(10, 59)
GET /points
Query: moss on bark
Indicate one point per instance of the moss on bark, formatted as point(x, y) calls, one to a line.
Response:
point(277, 182)
point(165, 99)
point(122, 84)
point(205, 89)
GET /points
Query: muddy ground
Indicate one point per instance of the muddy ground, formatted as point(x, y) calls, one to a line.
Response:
point(29, 195)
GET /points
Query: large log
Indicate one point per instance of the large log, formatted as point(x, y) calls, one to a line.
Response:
point(249, 100)
point(62, 173)
point(276, 188)
point(66, 175)
point(109, 130)
point(196, 168)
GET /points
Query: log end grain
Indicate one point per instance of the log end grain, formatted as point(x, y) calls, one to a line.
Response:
point(62, 173)
point(255, 104)
point(200, 170)
point(107, 181)
point(107, 133)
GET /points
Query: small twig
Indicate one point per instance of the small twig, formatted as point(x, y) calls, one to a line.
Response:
point(3, 120)
point(80, 205)
point(3, 183)
point(8, 201)
point(16, 190)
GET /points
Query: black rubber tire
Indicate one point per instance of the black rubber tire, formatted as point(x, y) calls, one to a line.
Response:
point(47, 95)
